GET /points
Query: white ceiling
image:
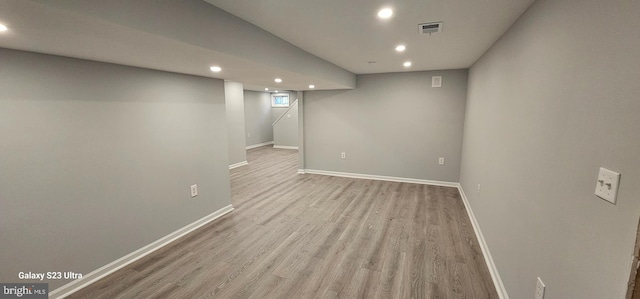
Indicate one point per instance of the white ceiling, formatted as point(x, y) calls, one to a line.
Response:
point(345, 33)
point(43, 28)
point(349, 34)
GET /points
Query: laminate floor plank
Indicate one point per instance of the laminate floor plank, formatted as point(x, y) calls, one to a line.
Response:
point(205, 281)
point(302, 274)
point(391, 276)
point(268, 285)
point(382, 222)
point(253, 278)
point(315, 236)
point(330, 295)
point(109, 286)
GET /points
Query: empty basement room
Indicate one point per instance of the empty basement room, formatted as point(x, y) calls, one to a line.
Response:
point(319, 149)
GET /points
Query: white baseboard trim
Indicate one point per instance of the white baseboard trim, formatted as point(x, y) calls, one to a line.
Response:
point(105, 270)
point(381, 178)
point(285, 147)
point(243, 163)
point(258, 145)
point(493, 270)
point(301, 171)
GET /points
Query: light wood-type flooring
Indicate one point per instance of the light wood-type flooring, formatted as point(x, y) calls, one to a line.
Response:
point(313, 236)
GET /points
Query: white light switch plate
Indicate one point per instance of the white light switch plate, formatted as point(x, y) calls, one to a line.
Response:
point(607, 185)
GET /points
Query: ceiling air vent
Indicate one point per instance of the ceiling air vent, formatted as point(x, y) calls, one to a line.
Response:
point(429, 28)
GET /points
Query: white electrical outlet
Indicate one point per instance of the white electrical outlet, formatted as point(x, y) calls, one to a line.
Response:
point(478, 188)
point(343, 155)
point(607, 185)
point(441, 160)
point(248, 134)
point(194, 190)
point(436, 81)
point(539, 289)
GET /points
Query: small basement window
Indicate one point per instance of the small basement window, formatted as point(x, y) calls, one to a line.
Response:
point(280, 100)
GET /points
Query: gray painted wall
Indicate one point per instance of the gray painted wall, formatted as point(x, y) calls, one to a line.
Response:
point(257, 117)
point(234, 101)
point(552, 101)
point(392, 124)
point(285, 131)
point(300, 95)
point(97, 160)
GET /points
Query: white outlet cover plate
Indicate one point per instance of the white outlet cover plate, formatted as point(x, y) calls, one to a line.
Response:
point(607, 185)
point(436, 81)
point(194, 190)
point(540, 289)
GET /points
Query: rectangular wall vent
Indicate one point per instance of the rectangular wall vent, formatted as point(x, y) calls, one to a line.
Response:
point(429, 28)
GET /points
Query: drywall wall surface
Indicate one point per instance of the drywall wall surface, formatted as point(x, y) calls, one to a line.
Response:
point(97, 160)
point(285, 130)
point(300, 95)
point(555, 99)
point(257, 117)
point(392, 124)
point(234, 101)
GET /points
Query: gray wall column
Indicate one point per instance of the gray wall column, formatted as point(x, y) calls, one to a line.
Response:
point(300, 131)
point(234, 101)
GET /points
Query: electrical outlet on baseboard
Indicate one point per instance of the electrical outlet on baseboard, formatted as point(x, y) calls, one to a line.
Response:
point(539, 289)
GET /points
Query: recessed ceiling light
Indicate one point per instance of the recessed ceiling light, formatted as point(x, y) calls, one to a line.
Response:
point(276, 91)
point(312, 86)
point(400, 48)
point(407, 64)
point(278, 80)
point(215, 69)
point(266, 89)
point(385, 13)
point(3, 27)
